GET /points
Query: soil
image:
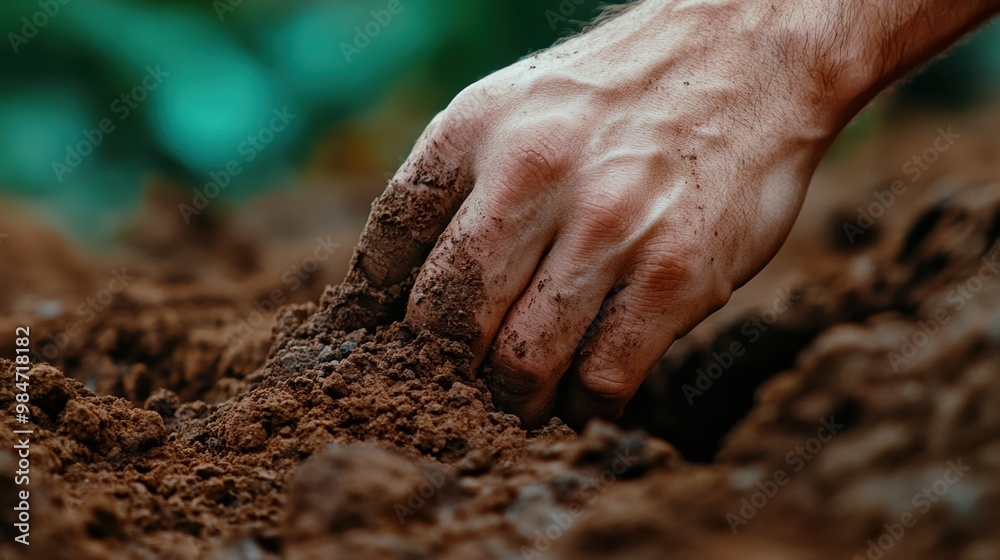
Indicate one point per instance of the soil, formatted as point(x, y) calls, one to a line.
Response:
point(862, 420)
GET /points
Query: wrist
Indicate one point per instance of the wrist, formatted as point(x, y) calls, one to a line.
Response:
point(823, 59)
point(726, 58)
point(854, 49)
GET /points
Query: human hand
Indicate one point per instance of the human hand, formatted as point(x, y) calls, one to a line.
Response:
point(581, 209)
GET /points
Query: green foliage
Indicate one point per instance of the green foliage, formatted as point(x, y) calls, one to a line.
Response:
point(381, 67)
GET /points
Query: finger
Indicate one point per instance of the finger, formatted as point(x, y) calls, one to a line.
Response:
point(635, 327)
point(415, 208)
point(481, 263)
point(540, 334)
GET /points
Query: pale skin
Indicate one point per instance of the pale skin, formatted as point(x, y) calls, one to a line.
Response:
point(615, 189)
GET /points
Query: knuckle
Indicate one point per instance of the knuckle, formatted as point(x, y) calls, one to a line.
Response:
point(607, 388)
point(524, 186)
point(540, 162)
point(674, 277)
point(460, 124)
point(525, 369)
point(512, 200)
point(469, 108)
point(515, 377)
point(432, 306)
point(536, 151)
point(535, 160)
point(667, 268)
point(449, 131)
point(440, 155)
point(605, 214)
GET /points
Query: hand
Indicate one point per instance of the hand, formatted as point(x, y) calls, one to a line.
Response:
point(594, 202)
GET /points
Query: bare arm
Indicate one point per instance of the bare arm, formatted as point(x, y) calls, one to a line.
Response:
point(862, 46)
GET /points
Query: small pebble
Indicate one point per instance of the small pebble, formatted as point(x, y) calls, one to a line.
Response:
point(346, 348)
point(326, 354)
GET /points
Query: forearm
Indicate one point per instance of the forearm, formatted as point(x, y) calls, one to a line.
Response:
point(862, 46)
point(812, 63)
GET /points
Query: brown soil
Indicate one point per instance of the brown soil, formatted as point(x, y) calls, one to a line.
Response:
point(346, 434)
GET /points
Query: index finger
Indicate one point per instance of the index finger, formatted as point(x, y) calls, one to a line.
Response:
point(405, 222)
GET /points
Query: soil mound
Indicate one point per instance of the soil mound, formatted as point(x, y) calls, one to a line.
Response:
point(355, 436)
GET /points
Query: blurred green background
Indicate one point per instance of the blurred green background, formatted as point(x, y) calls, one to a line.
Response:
point(185, 88)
